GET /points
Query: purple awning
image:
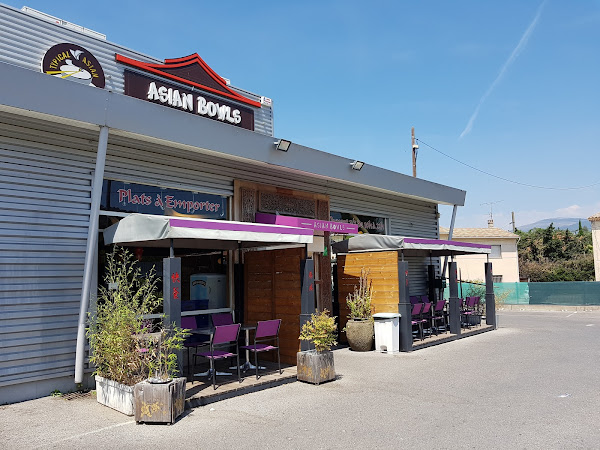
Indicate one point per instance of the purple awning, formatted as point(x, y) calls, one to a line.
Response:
point(145, 230)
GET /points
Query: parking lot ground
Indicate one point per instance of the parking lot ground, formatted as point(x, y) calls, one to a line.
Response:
point(531, 384)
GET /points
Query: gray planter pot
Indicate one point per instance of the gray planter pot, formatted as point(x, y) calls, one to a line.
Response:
point(315, 367)
point(360, 334)
point(115, 395)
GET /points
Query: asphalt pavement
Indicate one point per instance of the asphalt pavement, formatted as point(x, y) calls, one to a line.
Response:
point(534, 383)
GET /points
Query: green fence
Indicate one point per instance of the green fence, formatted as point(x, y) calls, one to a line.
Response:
point(507, 293)
point(567, 293)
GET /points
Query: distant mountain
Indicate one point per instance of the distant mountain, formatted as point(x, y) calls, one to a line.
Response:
point(562, 223)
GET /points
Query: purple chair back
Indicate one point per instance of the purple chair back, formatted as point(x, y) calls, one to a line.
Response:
point(439, 305)
point(189, 322)
point(221, 319)
point(426, 308)
point(475, 300)
point(414, 299)
point(226, 333)
point(417, 308)
point(471, 302)
point(425, 299)
point(267, 328)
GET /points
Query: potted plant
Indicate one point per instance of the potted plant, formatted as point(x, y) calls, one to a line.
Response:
point(316, 366)
point(125, 348)
point(359, 328)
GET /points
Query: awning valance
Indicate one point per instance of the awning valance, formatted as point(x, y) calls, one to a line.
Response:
point(408, 246)
point(145, 230)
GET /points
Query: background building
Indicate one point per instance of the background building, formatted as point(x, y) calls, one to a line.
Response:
point(504, 256)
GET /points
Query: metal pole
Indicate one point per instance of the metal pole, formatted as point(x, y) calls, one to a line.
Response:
point(490, 299)
point(454, 302)
point(449, 238)
point(90, 254)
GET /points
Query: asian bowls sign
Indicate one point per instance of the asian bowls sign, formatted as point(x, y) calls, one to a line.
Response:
point(189, 85)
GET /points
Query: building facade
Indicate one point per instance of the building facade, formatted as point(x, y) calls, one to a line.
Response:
point(91, 131)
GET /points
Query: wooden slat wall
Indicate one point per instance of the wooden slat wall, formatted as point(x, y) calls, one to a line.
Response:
point(383, 273)
point(272, 291)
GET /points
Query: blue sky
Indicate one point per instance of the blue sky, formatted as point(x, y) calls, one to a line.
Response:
point(508, 87)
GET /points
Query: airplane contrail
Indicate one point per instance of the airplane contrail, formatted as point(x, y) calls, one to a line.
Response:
point(520, 46)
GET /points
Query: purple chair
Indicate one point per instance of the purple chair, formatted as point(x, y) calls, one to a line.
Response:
point(222, 341)
point(193, 340)
point(416, 318)
point(468, 310)
point(438, 314)
point(414, 299)
point(425, 317)
point(219, 319)
point(266, 331)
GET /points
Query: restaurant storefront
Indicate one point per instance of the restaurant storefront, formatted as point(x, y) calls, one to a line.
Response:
point(91, 132)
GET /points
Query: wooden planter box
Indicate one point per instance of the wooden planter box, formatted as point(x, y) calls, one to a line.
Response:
point(159, 403)
point(315, 367)
point(115, 395)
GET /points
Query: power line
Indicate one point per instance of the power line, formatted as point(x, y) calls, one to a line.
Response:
point(506, 179)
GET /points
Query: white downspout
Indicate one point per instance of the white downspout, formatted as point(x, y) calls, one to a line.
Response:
point(90, 253)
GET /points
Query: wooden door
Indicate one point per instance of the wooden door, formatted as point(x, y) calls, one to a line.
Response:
point(272, 291)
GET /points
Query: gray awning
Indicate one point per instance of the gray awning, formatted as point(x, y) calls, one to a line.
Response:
point(144, 230)
point(407, 245)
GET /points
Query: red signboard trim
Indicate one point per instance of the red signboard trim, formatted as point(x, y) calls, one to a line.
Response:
point(158, 69)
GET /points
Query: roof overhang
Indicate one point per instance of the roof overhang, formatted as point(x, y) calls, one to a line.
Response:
point(60, 100)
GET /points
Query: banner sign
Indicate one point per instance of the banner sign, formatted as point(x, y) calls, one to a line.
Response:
point(137, 198)
point(167, 94)
point(365, 224)
point(313, 224)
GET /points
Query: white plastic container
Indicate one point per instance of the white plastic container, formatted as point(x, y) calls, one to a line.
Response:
point(387, 332)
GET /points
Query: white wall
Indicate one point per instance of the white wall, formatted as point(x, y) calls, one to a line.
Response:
point(596, 244)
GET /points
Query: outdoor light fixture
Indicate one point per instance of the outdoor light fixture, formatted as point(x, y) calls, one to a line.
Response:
point(283, 145)
point(357, 165)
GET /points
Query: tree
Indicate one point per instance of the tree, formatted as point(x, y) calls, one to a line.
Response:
point(555, 255)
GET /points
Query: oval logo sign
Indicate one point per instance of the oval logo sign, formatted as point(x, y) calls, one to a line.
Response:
point(74, 63)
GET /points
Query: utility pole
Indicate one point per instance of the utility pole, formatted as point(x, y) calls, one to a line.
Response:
point(513, 222)
point(415, 147)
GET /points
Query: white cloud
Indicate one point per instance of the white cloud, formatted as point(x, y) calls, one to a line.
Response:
point(513, 56)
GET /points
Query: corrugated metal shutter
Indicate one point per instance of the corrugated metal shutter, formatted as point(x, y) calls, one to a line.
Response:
point(45, 184)
point(25, 39)
point(157, 165)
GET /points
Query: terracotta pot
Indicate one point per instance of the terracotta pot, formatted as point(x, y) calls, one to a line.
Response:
point(360, 334)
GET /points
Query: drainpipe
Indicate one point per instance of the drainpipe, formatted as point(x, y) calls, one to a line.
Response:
point(90, 253)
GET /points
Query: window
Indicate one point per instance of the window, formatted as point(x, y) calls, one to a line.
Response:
point(497, 278)
point(496, 251)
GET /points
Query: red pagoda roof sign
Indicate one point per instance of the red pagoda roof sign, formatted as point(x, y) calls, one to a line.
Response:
point(192, 71)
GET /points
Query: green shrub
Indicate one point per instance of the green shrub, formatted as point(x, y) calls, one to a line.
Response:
point(123, 345)
point(321, 330)
point(359, 301)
